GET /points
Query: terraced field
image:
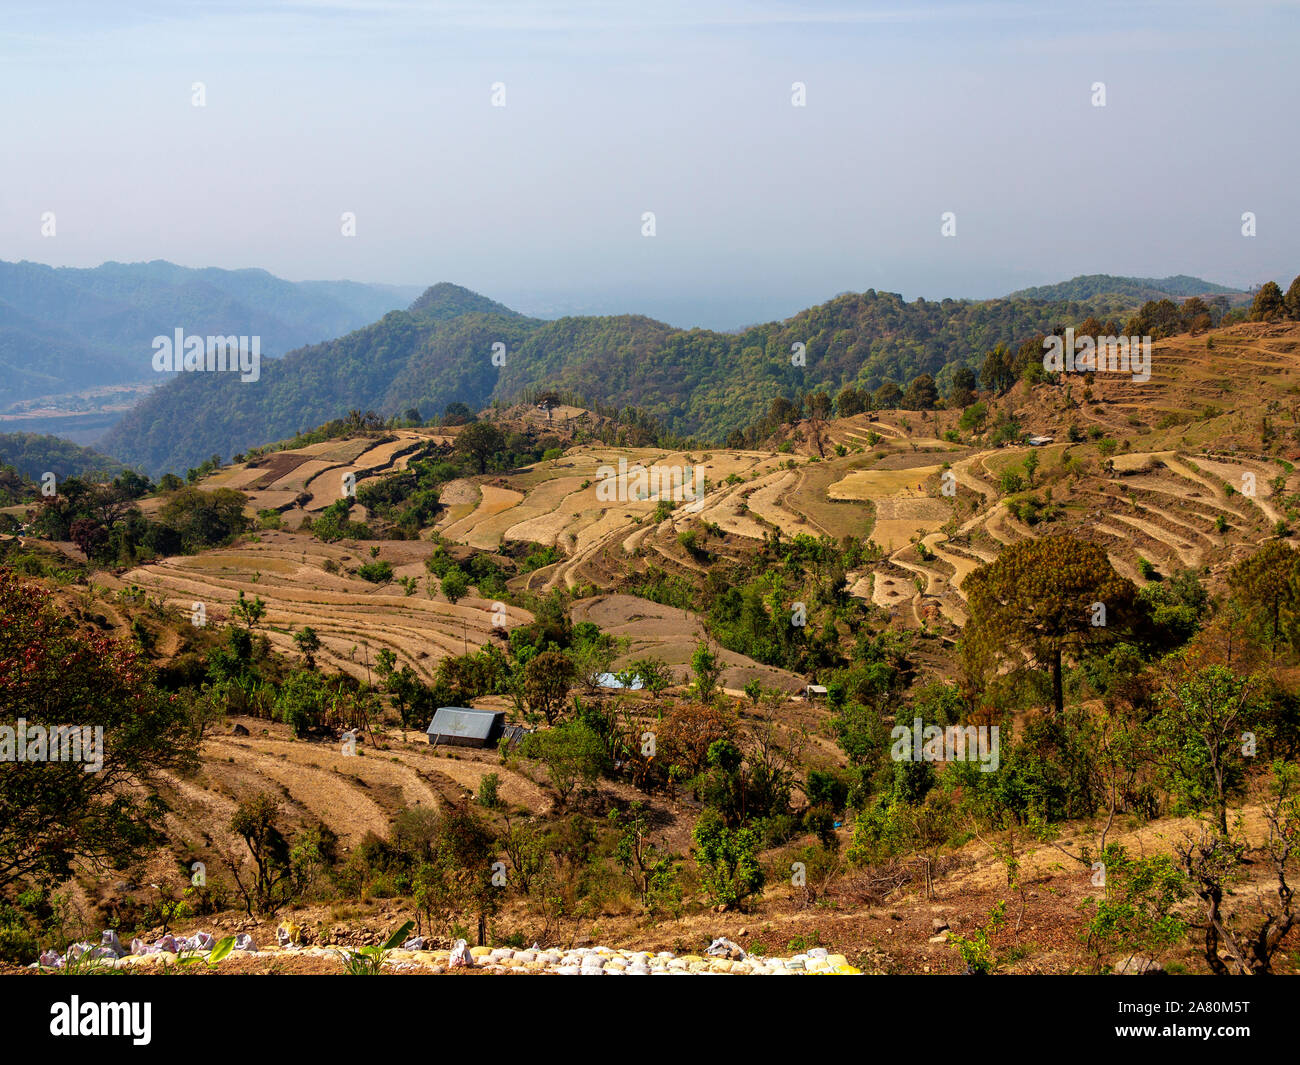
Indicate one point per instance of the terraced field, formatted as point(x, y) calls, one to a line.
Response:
point(1183, 489)
point(303, 482)
point(1173, 473)
point(672, 635)
point(316, 782)
point(354, 619)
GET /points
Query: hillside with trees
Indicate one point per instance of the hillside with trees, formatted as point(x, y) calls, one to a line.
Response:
point(35, 454)
point(1142, 289)
point(454, 346)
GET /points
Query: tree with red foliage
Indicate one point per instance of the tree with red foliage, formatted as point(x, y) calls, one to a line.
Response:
point(98, 809)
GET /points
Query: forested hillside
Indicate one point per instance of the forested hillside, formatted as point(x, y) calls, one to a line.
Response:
point(35, 454)
point(694, 382)
point(1091, 286)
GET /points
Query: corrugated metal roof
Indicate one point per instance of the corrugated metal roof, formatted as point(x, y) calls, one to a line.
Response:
point(462, 721)
point(515, 734)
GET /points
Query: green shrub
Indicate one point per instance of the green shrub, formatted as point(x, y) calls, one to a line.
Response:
point(488, 791)
point(727, 860)
point(976, 951)
point(18, 944)
point(376, 572)
point(455, 583)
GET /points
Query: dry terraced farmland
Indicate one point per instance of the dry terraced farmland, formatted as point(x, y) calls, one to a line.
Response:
point(354, 619)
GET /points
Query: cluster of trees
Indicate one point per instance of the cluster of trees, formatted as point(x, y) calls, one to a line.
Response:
point(335, 523)
point(239, 674)
point(745, 777)
point(921, 393)
point(105, 522)
point(1271, 304)
point(1268, 586)
point(785, 607)
point(441, 859)
point(1165, 318)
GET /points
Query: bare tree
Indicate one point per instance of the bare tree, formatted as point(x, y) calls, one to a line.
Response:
point(1214, 861)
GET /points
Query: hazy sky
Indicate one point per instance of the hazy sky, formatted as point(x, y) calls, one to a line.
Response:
point(680, 107)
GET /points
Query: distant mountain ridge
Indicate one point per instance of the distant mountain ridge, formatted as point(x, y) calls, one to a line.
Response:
point(67, 328)
point(1093, 286)
point(693, 381)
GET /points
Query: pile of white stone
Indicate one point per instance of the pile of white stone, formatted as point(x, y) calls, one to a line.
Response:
point(110, 949)
point(722, 957)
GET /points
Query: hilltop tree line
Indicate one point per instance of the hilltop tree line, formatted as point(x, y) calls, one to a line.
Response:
point(1004, 364)
point(1271, 304)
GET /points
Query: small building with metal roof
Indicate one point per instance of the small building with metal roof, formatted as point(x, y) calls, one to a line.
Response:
point(461, 726)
